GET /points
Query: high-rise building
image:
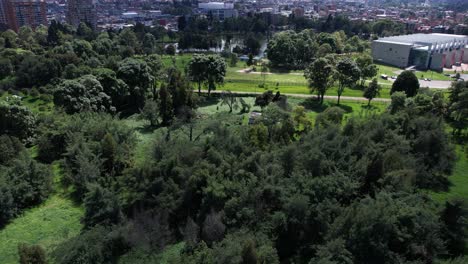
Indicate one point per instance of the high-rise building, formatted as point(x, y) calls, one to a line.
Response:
point(17, 13)
point(82, 11)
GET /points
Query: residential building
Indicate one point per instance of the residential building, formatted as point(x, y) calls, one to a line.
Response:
point(82, 11)
point(17, 13)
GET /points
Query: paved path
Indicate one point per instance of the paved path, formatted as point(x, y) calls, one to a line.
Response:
point(346, 98)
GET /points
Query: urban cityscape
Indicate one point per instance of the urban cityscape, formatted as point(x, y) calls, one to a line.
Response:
point(234, 132)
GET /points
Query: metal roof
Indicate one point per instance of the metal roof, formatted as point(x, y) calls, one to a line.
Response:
point(424, 38)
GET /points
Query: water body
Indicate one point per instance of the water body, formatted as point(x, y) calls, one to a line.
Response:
point(235, 41)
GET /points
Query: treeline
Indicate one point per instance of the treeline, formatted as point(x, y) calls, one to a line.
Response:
point(279, 190)
point(292, 50)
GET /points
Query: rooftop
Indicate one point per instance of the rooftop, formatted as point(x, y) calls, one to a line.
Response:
point(423, 38)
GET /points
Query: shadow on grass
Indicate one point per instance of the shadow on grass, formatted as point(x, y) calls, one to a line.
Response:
point(346, 108)
point(148, 129)
point(205, 100)
point(313, 104)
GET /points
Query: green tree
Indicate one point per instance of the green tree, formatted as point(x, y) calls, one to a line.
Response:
point(455, 219)
point(372, 91)
point(233, 60)
point(347, 74)
point(149, 43)
point(398, 102)
point(165, 105)
point(137, 75)
point(33, 254)
point(150, 112)
point(319, 74)
point(406, 82)
point(458, 106)
point(207, 69)
point(83, 94)
point(368, 70)
point(17, 121)
point(6, 68)
point(101, 207)
point(229, 99)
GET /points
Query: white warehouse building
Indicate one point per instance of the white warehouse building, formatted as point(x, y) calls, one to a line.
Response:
point(422, 51)
point(219, 10)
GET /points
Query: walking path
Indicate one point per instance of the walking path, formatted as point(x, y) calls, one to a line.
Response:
point(348, 98)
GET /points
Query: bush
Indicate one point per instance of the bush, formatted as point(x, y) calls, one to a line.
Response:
point(34, 254)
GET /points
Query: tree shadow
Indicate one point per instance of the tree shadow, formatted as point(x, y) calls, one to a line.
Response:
point(346, 108)
point(313, 104)
point(208, 100)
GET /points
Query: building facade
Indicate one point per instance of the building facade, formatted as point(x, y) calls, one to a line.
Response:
point(421, 51)
point(82, 11)
point(218, 10)
point(17, 13)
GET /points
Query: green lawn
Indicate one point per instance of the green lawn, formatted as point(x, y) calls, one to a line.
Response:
point(459, 180)
point(34, 103)
point(48, 225)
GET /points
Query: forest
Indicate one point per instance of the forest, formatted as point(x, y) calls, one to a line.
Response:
point(222, 186)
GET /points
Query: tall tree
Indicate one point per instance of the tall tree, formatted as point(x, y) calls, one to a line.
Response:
point(458, 106)
point(368, 70)
point(372, 91)
point(137, 75)
point(347, 74)
point(406, 82)
point(319, 74)
point(207, 69)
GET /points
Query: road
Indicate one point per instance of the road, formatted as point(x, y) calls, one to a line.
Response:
point(347, 98)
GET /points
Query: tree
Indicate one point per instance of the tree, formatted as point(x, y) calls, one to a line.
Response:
point(372, 91)
point(319, 74)
point(264, 72)
point(250, 60)
point(6, 68)
point(137, 75)
point(101, 207)
point(170, 50)
point(264, 99)
point(113, 87)
point(17, 121)
point(197, 70)
point(368, 70)
point(82, 94)
point(213, 228)
point(229, 99)
point(330, 117)
point(150, 112)
point(149, 43)
point(347, 74)
point(216, 71)
point(233, 60)
point(11, 147)
point(33, 254)
point(406, 82)
point(458, 106)
point(207, 69)
point(165, 105)
point(398, 102)
point(300, 118)
point(455, 219)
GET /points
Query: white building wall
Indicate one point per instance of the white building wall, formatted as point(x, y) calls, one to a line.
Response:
point(396, 54)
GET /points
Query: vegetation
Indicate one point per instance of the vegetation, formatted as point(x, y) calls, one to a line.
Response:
point(160, 173)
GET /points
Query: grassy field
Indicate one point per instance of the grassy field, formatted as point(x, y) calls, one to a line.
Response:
point(289, 82)
point(459, 180)
point(55, 221)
